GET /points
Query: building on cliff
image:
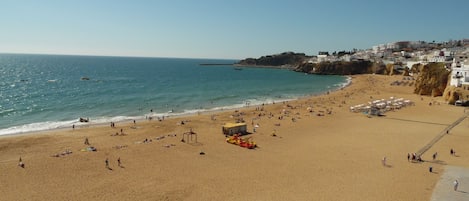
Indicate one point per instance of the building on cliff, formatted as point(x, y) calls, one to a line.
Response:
point(460, 72)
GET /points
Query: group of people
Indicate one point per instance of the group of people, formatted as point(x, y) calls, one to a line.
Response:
point(414, 157)
point(118, 163)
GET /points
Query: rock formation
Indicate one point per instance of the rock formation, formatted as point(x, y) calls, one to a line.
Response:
point(451, 94)
point(432, 80)
point(340, 68)
point(289, 59)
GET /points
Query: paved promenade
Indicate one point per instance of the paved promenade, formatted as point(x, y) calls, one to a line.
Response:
point(444, 188)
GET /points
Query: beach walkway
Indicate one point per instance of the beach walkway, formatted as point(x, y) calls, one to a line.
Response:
point(440, 135)
point(444, 188)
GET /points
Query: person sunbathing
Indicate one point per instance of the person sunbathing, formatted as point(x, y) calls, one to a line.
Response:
point(159, 138)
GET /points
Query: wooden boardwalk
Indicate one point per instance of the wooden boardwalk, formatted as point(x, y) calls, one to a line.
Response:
point(440, 135)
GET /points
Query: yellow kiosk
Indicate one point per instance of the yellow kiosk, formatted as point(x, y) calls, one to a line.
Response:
point(234, 128)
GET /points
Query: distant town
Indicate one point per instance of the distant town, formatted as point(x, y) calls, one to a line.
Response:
point(440, 69)
point(403, 56)
point(454, 54)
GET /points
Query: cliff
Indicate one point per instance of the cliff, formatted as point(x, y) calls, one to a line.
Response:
point(451, 94)
point(288, 59)
point(341, 68)
point(432, 79)
point(298, 62)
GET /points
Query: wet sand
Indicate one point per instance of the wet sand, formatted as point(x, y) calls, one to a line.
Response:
point(336, 156)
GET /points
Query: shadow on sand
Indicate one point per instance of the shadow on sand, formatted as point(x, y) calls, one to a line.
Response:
point(440, 162)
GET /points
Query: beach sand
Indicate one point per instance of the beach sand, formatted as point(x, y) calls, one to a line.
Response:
point(336, 156)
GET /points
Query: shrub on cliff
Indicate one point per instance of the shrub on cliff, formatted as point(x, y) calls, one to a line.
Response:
point(286, 58)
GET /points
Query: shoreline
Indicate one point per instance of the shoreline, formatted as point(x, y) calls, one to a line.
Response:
point(191, 112)
point(317, 153)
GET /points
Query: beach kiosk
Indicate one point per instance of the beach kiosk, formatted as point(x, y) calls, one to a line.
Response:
point(234, 128)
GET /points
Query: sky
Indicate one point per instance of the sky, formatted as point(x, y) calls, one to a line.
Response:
point(235, 29)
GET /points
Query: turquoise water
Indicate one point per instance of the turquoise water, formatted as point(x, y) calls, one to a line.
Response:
point(40, 92)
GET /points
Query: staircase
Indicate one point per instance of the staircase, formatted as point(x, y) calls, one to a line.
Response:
point(440, 135)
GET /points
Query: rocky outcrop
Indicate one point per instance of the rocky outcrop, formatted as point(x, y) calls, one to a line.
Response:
point(340, 68)
point(298, 62)
point(406, 72)
point(289, 59)
point(396, 69)
point(451, 94)
point(416, 68)
point(432, 80)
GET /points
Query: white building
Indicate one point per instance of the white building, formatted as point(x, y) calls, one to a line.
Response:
point(391, 46)
point(322, 58)
point(378, 48)
point(459, 73)
point(437, 59)
point(346, 58)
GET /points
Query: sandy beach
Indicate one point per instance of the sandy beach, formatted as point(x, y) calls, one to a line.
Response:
point(329, 153)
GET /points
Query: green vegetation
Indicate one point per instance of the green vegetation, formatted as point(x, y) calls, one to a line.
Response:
point(286, 58)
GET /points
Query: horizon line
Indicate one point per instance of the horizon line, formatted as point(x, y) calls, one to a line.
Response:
point(127, 56)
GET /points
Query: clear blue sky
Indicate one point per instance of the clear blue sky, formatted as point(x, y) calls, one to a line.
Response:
point(222, 29)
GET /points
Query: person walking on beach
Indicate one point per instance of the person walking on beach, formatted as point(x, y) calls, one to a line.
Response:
point(20, 163)
point(408, 156)
point(384, 161)
point(434, 155)
point(455, 185)
point(87, 142)
point(107, 163)
point(451, 151)
point(119, 161)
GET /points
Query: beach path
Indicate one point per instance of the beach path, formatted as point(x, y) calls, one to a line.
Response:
point(440, 135)
point(444, 188)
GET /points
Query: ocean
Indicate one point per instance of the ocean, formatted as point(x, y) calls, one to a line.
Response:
point(43, 92)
